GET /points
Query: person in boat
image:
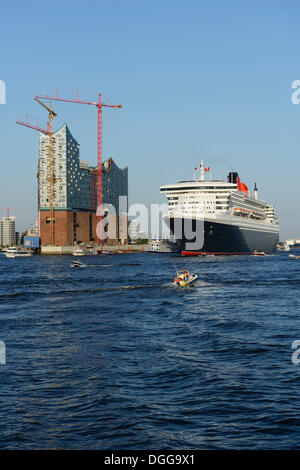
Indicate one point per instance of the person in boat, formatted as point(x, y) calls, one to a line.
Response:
point(184, 276)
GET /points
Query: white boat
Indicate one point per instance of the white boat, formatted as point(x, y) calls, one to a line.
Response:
point(207, 255)
point(78, 251)
point(14, 252)
point(259, 253)
point(283, 247)
point(90, 252)
point(78, 264)
point(184, 279)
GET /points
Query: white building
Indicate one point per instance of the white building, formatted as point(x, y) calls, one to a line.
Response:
point(32, 231)
point(133, 230)
point(7, 231)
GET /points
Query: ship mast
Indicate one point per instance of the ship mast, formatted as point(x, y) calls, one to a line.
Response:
point(201, 171)
point(255, 191)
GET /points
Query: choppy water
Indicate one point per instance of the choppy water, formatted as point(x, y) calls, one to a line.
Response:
point(114, 357)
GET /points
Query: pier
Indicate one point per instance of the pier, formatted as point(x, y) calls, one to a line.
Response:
point(68, 250)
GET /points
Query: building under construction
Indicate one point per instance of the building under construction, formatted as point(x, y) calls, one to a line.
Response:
point(75, 193)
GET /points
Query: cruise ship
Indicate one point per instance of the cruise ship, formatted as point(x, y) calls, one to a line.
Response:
point(219, 217)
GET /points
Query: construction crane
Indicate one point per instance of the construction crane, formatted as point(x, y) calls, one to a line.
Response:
point(37, 128)
point(99, 105)
point(8, 209)
point(52, 114)
point(49, 132)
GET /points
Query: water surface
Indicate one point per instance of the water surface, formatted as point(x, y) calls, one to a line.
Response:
point(114, 357)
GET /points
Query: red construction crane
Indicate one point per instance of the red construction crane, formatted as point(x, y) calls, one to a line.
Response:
point(37, 128)
point(99, 105)
point(7, 209)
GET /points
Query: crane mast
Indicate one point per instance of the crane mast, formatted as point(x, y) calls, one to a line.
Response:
point(51, 175)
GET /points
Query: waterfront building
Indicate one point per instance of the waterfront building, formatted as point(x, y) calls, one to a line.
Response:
point(75, 193)
point(7, 231)
point(33, 231)
point(133, 230)
point(20, 237)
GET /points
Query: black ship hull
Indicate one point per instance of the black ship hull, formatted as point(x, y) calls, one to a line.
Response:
point(224, 239)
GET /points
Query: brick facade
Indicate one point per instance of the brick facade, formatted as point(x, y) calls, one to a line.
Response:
point(73, 227)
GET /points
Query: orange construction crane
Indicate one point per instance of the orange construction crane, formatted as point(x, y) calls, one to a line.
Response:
point(99, 105)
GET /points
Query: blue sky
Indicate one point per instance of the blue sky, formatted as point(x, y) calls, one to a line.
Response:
point(197, 80)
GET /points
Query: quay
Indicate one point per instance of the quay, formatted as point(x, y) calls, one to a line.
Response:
point(113, 249)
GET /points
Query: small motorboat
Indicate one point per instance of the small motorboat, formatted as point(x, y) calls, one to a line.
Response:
point(78, 264)
point(283, 247)
point(259, 253)
point(294, 256)
point(207, 255)
point(184, 278)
